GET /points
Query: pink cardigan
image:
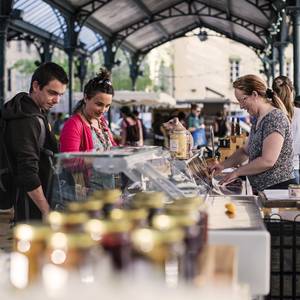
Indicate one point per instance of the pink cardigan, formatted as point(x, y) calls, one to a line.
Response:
point(76, 135)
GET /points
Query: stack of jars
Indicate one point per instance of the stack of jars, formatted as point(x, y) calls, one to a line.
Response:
point(170, 236)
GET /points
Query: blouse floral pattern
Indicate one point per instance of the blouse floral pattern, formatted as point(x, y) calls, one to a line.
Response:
point(274, 121)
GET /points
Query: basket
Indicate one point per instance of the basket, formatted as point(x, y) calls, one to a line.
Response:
point(285, 257)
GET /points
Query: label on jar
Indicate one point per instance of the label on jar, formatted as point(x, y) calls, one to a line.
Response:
point(174, 145)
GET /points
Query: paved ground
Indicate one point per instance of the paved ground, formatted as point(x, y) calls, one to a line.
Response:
point(5, 231)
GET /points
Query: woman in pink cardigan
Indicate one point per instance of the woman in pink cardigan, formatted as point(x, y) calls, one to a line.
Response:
point(87, 129)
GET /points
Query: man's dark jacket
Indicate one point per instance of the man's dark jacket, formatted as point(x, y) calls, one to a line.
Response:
point(31, 166)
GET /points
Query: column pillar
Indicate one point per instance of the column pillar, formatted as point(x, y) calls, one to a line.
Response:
point(5, 10)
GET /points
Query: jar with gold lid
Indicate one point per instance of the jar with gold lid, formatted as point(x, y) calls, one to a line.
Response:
point(114, 237)
point(137, 217)
point(69, 250)
point(92, 207)
point(152, 201)
point(180, 144)
point(67, 222)
point(110, 199)
point(163, 247)
point(28, 249)
point(194, 211)
point(189, 266)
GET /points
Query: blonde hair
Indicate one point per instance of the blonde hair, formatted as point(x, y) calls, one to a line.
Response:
point(250, 83)
point(284, 89)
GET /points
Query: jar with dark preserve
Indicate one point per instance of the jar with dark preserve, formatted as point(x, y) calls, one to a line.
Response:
point(71, 251)
point(28, 249)
point(67, 222)
point(163, 248)
point(110, 199)
point(114, 237)
point(189, 268)
point(194, 207)
point(152, 201)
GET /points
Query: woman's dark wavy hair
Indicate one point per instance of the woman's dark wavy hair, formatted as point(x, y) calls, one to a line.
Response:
point(127, 112)
point(99, 84)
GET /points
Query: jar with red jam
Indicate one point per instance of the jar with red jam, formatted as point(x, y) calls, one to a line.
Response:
point(117, 242)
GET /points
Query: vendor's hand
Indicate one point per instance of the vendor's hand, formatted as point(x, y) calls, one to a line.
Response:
point(215, 167)
point(229, 178)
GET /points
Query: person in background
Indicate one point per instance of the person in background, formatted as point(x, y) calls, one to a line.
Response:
point(195, 124)
point(221, 126)
point(58, 123)
point(144, 130)
point(182, 118)
point(131, 128)
point(30, 141)
point(87, 129)
point(283, 87)
point(158, 130)
point(269, 147)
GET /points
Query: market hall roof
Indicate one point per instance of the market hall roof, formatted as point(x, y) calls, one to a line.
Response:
point(141, 25)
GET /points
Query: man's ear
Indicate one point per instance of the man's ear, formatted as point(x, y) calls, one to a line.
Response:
point(35, 86)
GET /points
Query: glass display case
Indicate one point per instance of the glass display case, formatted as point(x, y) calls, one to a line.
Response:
point(78, 175)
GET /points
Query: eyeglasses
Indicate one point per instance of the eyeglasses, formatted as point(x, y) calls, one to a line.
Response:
point(243, 99)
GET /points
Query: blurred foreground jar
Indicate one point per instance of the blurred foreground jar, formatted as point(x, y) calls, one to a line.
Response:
point(163, 248)
point(109, 198)
point(114, 237)
point(28, 253)
point(194, 208)
point(69, 250)
point(67, 222)
point(93, 208)
point(189, 267)
point(137, 217)
point(153, 202)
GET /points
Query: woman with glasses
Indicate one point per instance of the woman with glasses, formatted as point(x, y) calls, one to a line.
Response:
point(283, 87)
point(267, 157)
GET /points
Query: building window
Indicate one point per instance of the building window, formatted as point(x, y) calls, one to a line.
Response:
point(19, 46)
point(28, 48)
point(288, 69)
point(234, 69)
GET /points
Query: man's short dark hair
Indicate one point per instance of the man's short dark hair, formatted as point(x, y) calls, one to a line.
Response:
point(47, 72)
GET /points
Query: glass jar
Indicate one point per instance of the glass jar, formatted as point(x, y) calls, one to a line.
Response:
point(92, 207)
point(27, 257)
point(110, 199)
point(180, 144)
point(193, 210)
point(70, 251)
point(137, 217)
point(152, 201)
point(114, 237)
point(67, 222)
point(163, 248)
point(192, 233)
